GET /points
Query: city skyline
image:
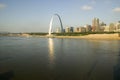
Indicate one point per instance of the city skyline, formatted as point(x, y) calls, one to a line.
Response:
point(35, 15)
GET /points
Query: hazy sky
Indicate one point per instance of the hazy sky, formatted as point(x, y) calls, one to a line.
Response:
point(35, 15)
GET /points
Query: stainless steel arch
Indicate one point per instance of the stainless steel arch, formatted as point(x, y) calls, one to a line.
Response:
point(51, 22)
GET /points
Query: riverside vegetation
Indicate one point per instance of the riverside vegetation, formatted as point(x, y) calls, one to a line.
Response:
point(73, 33)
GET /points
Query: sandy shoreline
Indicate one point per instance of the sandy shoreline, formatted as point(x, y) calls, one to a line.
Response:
point(90, 36)
point(115, 36)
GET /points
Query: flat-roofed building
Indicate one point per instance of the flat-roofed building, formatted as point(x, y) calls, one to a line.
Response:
point(111, 27)
point(117, 27)
point(82, 29)
point(71, 29)
point(88, 28)
point(67, 30)
point(77, 29)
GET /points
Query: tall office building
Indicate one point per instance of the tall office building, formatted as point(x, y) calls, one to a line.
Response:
point(95, 25)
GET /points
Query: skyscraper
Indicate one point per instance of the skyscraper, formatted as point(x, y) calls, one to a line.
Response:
point(95, 25)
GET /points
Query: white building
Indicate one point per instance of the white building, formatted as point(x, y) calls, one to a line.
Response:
point(117, 27)
point(67, 30)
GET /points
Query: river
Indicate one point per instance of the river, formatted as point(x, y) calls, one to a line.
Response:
point(59, 59)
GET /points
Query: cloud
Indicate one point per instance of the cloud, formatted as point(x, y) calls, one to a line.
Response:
point(116, 9)
point(86, 7)
point(2, 6)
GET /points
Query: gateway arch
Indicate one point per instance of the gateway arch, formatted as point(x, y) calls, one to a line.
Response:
point(51, 22)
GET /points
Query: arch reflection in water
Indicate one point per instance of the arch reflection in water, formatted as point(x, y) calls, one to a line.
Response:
point(51, 52)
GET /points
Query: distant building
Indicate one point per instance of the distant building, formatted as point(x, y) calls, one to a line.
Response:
point(102, 24)
point(88, 28)
point(102, 27)
point(67, 29)
point(117, 27)
point(106, 29)
point(82, 29)
point(71, 29)
point(93, 28)
point(77, 29)
point(112, 27)
point(95, 25)
point(58, 30)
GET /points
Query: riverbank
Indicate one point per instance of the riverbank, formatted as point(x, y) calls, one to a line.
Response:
point(114, 36)
point(93, 36)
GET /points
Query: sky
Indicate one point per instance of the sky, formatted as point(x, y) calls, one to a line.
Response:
point(35, 15)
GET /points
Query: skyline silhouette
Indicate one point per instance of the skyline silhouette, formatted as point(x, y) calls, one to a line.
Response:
point(35, 15)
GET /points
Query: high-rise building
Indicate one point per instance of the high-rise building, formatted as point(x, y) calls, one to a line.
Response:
point(95, 25)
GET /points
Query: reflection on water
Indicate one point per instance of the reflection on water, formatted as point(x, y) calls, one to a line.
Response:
point(51, 51)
